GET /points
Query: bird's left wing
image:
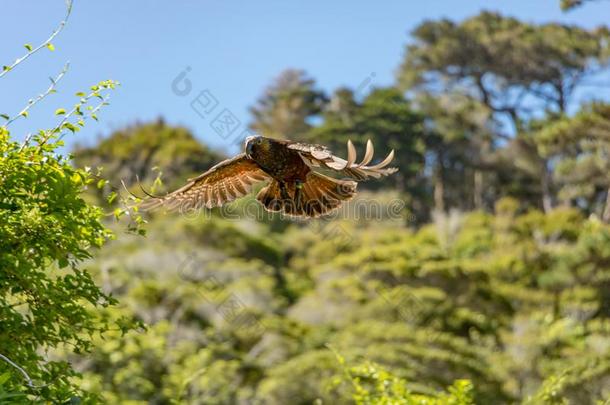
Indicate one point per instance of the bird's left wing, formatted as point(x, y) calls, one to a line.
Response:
point(320, 156)
point(228, 180)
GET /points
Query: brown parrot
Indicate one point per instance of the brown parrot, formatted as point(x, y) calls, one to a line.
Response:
point(294, 186)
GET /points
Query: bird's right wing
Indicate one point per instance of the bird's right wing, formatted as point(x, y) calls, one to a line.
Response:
point(224, 182)
point(320, 156)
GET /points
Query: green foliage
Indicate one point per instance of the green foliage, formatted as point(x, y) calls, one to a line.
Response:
point(48, 303)
point(505, 301)
point(375, 386)
point(46, 231)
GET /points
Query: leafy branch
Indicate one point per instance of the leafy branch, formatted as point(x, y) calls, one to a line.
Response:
point(46, 44)
point(29, 381)
point(77, 110)
point(25, 111)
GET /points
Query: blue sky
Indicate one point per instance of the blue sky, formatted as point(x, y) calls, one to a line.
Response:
point(233, 50)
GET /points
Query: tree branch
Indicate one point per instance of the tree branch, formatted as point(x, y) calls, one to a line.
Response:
point(46, 43)
point(31, 103)
point(65, 124)
point(29, 381)
point(92, 113)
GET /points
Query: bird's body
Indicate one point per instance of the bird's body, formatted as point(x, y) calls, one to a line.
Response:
point(279, 161)
point(294, 186)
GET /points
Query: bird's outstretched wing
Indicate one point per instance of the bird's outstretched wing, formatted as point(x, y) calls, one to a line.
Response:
point(320, 156)
point(228, 180)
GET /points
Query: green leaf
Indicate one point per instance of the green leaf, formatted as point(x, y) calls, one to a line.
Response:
point(60, 111)
point(6, 117)
point(4, 378)
point(6, 68)
point(70, 126)
point(24, 113)
point(80, 94)
point(51, 47)
point(28, 47)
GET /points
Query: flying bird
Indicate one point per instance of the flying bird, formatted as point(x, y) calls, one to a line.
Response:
point(290, 169)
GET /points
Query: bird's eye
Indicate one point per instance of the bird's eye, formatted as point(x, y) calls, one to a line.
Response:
point(259, 141)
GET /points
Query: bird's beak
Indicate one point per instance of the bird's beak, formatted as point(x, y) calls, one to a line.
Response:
point(249, 146)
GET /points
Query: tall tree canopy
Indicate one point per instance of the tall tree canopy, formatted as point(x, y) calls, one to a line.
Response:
point(459, 135)
point(517, 70)
point(287, 106)
point(505, 63)
point(580, 147)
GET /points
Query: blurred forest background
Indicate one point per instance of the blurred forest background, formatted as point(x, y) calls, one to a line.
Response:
point(490, 285)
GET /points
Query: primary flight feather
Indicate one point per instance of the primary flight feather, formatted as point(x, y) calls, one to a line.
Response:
point(294, 186)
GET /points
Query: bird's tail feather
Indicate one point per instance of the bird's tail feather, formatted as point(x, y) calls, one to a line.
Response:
point(318, 195)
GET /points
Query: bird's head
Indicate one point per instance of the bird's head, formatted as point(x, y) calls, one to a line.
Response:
point(255, 144)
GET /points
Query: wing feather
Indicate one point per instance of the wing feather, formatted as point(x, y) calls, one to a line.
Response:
point(240, 187)
point(368, 155)
point(351, 154)
point(225, 182)
point(320, 156)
